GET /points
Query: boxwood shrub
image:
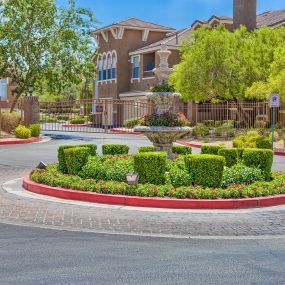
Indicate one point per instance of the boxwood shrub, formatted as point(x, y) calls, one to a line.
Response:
point(115, 149)
point(259, 158)
point(231, 156)
point(151, 167)
point(147, 149)
point(182, 149)
point(61, 156)
point(264, 142)
point(76, 158)
point(211, 149)
point(206, 169)
point(22, 132)
point(35, 130)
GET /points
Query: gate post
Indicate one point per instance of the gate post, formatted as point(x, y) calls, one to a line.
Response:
point(31, 110)
point(105, 116)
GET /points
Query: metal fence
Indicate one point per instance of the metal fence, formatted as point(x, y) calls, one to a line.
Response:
point(94, 115)
point(243, 114)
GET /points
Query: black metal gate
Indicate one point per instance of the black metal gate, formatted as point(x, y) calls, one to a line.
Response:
point(91, 116)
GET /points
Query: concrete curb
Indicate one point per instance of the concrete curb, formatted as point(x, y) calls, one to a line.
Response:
point(23, 141)
point(151, 201)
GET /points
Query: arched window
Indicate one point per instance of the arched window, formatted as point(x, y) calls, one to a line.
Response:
point(100, 68)
point(114, 65)
point(109, 66)
point(3, 89)
point(104, 66)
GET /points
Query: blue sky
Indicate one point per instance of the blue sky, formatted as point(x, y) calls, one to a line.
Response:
point(174, 13)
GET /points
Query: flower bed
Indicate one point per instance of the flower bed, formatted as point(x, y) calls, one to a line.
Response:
point(188, 177)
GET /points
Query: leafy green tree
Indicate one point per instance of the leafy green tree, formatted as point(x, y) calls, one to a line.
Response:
point(44, 46)
point(219, 64)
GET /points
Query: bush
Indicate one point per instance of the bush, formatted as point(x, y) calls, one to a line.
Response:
point(259, 158)
point(131, 123)
point(182, 150)
point(231, 156)
point(22, 132)
point(151, 167)
point(115, 149)
point(10, 121)
point(211, 149)
point(77, 121)
point(264, 142)
point(200, 130)
point(35, 130)
point(63, 117)
point(61, 156)
point(164, 120)
point(76, 158)
point(246, 141)
point(240, 174)
point(206, 170)
point(179, 177)
point(107, 169)
point(147, 149)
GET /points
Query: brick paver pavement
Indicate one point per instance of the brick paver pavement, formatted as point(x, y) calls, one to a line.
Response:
point(18, 210)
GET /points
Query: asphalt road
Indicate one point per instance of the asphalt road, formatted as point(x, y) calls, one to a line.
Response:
point(38, 256)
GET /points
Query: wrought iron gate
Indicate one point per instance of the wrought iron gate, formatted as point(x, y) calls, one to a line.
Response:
point(91, 116)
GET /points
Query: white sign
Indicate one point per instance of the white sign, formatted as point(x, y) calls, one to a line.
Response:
point(275, 100)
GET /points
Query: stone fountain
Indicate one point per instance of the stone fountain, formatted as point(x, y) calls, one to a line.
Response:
point(163, 137)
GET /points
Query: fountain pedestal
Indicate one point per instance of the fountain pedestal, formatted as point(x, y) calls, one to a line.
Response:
point(163, 137)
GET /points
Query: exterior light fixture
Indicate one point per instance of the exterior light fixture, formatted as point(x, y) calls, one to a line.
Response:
point(42, 165)
point(132, 178)
point(31, 89)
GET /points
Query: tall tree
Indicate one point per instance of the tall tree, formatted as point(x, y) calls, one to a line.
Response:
point(42, 44)
point(219, 64)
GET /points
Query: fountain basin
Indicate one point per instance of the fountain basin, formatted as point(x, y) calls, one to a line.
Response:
point(163, 137)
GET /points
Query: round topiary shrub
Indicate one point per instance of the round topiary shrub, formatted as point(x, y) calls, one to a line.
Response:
point(264, 142)
point(22, 132)
point(183, 150)
point(147, 149)
point(35, 130)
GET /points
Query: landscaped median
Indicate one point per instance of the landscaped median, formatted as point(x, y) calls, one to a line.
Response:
point(217, 179)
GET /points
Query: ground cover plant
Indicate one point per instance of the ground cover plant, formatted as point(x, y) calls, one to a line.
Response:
point(203, 176)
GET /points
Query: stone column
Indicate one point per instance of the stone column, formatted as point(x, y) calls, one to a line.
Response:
point(31, 110)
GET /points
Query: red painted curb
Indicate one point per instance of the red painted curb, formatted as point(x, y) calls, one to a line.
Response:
point(151, 201)
point(78, 125)
point(23, 141)
point(118, 131)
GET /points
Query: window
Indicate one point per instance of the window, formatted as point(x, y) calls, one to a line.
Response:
point(100, 69)
point(3, 89)
point(149, 66)
point(109, 67)
point(136, 66)
point(114, 65)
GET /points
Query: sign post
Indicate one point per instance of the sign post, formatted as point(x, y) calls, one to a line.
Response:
point(274, 104)
point(0, 118)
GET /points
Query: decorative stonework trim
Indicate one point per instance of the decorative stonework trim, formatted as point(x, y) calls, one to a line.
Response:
point(114, 33)
point(105, 36)
point(121, 33)
point(145, 34)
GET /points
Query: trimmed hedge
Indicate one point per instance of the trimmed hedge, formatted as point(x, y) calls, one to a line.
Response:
point(147, 149)
point(35, 130)
point(76, 158)
point(115, 149)
point(22, 132)
point(231, 156)
point(151, 167)
point(259, 158)
point(206, 169)
point(184, 150)
point(211, 149)
point(61, 156)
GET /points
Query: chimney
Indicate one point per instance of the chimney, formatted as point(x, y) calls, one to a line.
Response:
point(245, 14)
